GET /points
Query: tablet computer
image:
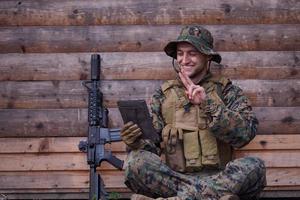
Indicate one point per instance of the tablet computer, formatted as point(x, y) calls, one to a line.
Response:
point(137, 112)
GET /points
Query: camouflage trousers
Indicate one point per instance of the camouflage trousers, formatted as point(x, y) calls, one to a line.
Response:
point(147, 174)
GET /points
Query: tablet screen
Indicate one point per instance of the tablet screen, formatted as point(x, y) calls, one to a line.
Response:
point(137, 112)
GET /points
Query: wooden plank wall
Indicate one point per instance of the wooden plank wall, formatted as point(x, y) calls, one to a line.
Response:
point(45, 49)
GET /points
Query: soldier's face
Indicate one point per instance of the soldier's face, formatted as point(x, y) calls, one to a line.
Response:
point(191, 60)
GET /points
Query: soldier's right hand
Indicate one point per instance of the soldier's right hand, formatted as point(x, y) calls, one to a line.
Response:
point(130, 134)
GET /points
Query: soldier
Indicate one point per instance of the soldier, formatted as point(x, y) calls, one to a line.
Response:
point(200, 118)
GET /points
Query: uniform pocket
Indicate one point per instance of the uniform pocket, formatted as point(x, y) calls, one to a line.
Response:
point(192, 150)
point(209, 148)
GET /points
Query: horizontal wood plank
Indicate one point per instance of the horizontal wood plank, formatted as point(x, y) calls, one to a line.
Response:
point(77, 161)
point(274, 158)
point(283, 177)
point(70, 144)
point(62, 195)
point(49, 145)
point(59, 190)
point(56, 180)
point(276, 193)
point(58, 122)
point(140, 38)
point(271, 65)
point(73, 122)
point(283, 188)
point(72, 180)
point(71, 94)
point(90, 12)
point(50, 162)
point(40, 145)
point(273, 142)
point(50, 193)
point(269, 192)
point(281, 192)
point(120, 190)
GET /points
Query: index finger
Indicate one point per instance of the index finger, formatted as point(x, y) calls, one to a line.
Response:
point(187, 82)
point(190, 82)
point(127, 125)
point(182, 78)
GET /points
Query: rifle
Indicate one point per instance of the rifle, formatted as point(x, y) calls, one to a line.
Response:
point(98, 133)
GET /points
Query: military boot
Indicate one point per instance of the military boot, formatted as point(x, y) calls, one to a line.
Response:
point(142, 197)
point(229, 197)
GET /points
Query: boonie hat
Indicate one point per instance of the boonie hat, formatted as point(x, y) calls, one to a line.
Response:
point(197, 36)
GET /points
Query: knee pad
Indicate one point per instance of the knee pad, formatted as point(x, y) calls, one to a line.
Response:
point(141, 160)
point(249, 161)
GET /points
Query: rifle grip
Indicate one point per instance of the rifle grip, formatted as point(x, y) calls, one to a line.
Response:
point(116, 162)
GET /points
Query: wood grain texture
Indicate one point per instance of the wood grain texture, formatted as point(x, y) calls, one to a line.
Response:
point(273, 142)
point(69, 175)
point(80, 194)
point(45, 49)
point(125, 12)
point(112, 179)
point(55, 190)
point(73, 122)
point(270, 65)
point(269, 192)
point(50, 162)
point(77, 161)
point(49, 145)
point(40, 145)
point(71, 94)
point(283, 177)
point(57, 179)
point(274, 158)
point(143, 38)
point(58, 145)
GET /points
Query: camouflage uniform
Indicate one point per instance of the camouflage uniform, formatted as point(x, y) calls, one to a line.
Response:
point(232, 122)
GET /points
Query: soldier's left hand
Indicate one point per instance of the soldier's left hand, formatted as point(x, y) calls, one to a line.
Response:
point(195, 93)
point(130, 134)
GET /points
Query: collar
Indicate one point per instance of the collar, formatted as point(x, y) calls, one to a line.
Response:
point(205, 78)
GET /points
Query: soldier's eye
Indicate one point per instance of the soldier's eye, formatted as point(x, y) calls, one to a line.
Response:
point(179, 53)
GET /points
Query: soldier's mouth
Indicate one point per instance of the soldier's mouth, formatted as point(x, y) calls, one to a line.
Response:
point(187, 67)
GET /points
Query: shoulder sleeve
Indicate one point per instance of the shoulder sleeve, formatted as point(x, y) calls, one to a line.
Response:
point(232, 119)
point(155, 106)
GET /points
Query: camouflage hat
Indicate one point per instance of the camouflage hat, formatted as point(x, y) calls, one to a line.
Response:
point(197, 36)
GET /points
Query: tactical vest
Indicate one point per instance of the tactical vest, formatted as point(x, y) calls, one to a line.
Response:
point(189, 145)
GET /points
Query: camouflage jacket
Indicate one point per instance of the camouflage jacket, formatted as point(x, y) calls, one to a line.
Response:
point(232, 121)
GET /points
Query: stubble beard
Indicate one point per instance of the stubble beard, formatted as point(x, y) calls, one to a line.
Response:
point(198, 74)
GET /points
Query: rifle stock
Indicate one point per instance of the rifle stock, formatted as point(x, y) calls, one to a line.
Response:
point(98, 133)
